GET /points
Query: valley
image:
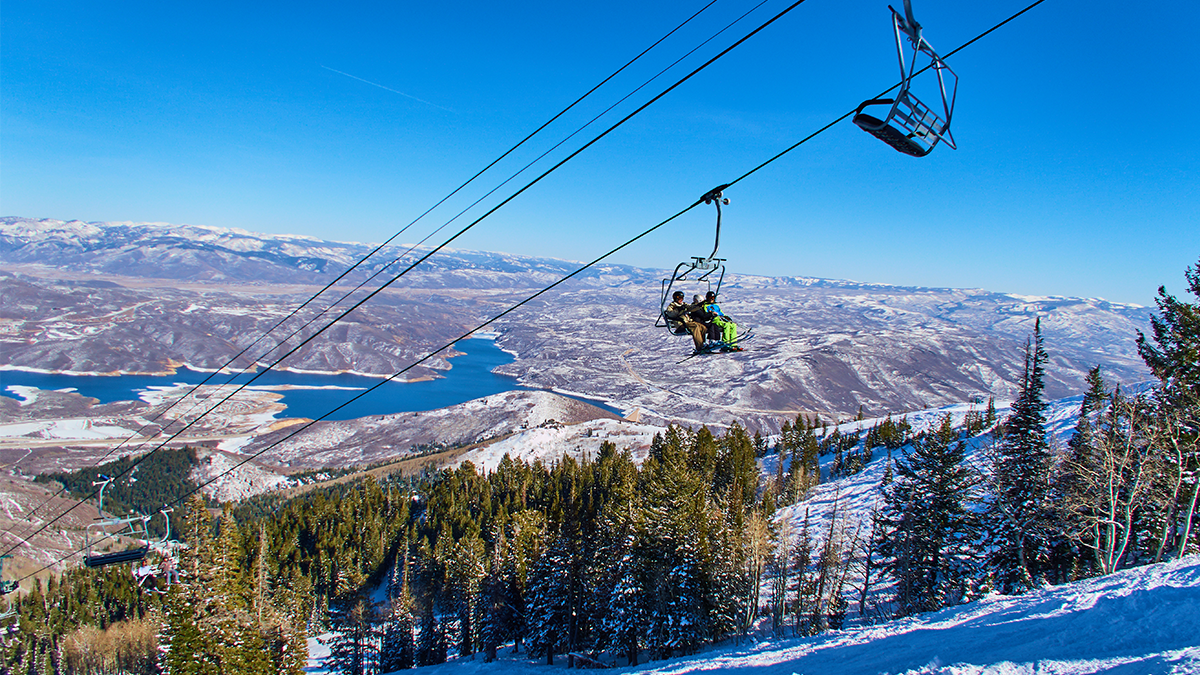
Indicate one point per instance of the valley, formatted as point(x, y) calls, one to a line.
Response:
point(107, 298)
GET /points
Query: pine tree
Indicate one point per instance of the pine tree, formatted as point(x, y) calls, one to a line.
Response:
point(929, 529)
point(1094, 400)
point(1018, 514)
point(494, 623)
point(353, 647)
point(628, 614)
point(1071, 492)
point(801, 584)
point(548, 602)
point(398, 650)
point(431, 640)
point(1174, 358)
point(464, 572)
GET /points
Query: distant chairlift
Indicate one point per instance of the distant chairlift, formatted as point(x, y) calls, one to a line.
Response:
point(130, 527)
point(910, 126)
point(707, 267)
point(168, 565)
point(6, 587)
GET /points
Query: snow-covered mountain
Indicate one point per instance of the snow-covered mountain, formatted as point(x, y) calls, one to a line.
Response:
point(122, 297)
point(228, 255)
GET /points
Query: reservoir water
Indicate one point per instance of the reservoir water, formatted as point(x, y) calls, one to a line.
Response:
point(311, 396)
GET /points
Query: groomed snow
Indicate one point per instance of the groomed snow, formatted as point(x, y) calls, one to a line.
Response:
point(1141, 621)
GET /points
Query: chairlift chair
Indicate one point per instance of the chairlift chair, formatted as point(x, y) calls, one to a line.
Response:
point(132, 527)
point(6, 587)
point(911, 126)
point(707, 266)
point(166, 547)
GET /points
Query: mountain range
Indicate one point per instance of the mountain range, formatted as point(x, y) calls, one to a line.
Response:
point(126, 297)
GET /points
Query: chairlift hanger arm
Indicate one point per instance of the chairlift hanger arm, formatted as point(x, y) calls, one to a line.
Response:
point(908, 24)
point(716, 196)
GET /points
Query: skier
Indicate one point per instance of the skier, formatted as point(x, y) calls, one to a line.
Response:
point(679, 316)
point(724, 323)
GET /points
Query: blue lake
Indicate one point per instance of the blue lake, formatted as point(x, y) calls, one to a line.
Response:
point(469, 378)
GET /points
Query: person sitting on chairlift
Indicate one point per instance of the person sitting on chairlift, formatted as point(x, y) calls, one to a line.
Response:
point(170, 571)
point(679, 315)
point(722, 322)
point(702, 316)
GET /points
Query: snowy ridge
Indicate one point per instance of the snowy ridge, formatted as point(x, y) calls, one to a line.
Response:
point(547, 444)
point(521, 414)
point(214, 254)
point(231, 481)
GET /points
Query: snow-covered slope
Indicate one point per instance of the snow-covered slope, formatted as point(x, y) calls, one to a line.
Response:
point(518, 420)
point(1143, 621)
point(1138, 621)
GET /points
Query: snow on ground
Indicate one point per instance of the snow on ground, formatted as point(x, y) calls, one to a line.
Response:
point(1136, 622)
point(318, 652)
point(231, 483)
point(72, 429)
point(1139, 621)
point(854, 496)
point(551, 442)
point(28, 394)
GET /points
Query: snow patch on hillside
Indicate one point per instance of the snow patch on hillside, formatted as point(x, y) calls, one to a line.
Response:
point(231, 482)
point(1144, 620)
point(73, 429)
point(549, 443)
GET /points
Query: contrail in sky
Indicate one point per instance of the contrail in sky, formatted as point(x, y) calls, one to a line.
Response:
point(375, 84)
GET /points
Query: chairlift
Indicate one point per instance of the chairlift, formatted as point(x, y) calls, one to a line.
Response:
point(168, 564)
point(705, 266)
point(6, 587)
point(910, 126)
point(130, 527)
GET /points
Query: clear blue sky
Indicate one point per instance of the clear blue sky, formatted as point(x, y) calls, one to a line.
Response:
point(1076, 172)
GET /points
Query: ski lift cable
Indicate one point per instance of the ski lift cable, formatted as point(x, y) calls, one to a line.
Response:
point(564, 279)
point(485, 215)
point(378, 248)
point(561, 281)
point(884, 92)
point(439, 350)
point(571, 135)
point(435, 250)
point(518, 173)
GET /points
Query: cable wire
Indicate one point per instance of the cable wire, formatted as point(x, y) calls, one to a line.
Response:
point(572, 274)
point(435, 250)
point(378, 248)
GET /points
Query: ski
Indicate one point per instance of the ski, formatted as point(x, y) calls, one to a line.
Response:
point(720, 346)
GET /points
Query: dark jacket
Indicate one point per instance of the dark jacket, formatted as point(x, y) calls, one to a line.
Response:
point(677, 311)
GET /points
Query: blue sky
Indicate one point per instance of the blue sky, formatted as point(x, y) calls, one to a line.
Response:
point(1076, 172)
